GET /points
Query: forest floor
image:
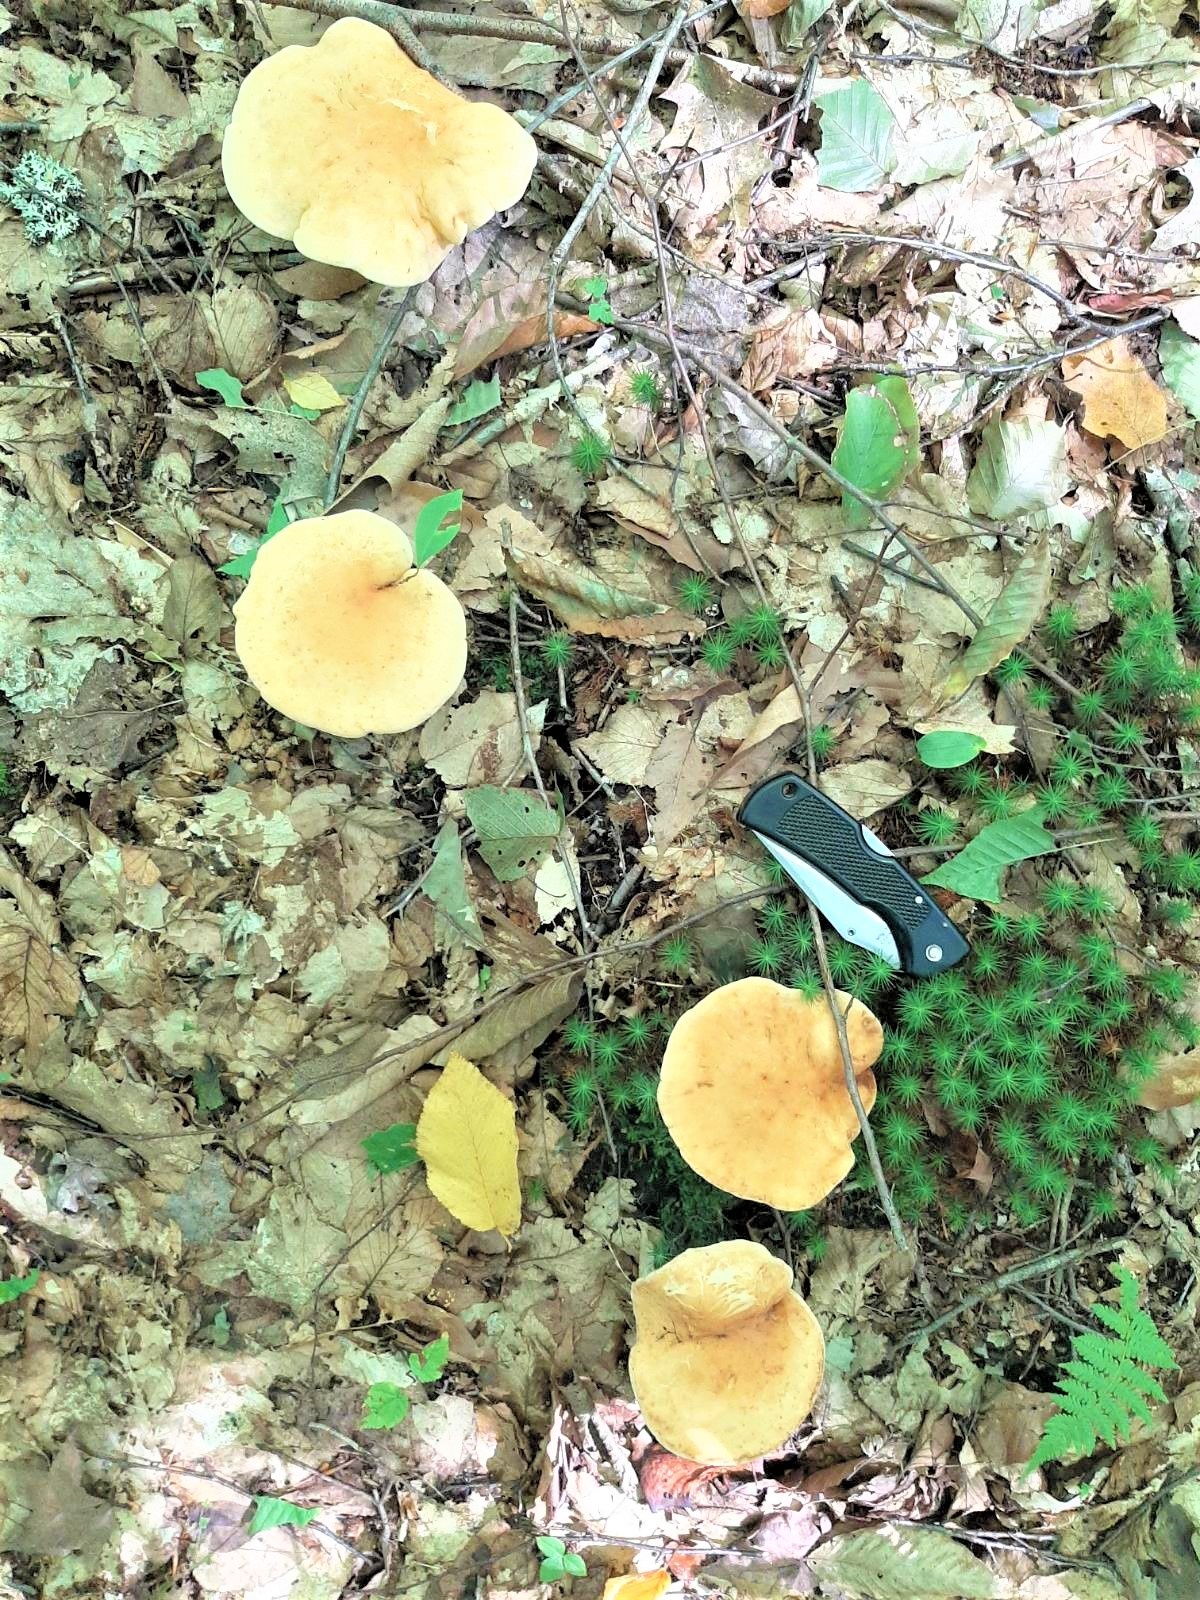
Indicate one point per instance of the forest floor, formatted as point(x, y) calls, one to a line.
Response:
point(879, 337)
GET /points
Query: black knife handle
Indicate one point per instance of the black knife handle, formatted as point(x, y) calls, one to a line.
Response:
point(791, 812)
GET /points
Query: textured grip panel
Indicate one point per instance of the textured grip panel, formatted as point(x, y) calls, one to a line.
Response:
point(813, 829)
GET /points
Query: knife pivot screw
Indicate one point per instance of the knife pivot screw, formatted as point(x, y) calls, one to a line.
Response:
point(788, 790)
point(933, 952)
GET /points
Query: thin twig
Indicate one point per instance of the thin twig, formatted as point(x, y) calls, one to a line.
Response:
point(1042, 1267)
point(390, 335)
point(586, 935)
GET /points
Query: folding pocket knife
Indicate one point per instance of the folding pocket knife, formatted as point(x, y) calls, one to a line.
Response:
point(851, 876)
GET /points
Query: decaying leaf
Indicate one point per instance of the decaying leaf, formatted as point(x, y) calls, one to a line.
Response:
point(1176, 1082)
point(36, 983)
point(467, 1138)
point(1120, 398)
point(1012, 617)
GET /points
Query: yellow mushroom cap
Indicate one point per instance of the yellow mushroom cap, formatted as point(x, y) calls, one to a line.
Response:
point(364, 159)
point(753, 1092)
point(330, 635)
point(728, 1358)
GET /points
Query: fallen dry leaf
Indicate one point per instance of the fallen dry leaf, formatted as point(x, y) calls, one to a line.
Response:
point(467, 1138)
point(36, 983)
point(1120, 398)
point(1176, 1082)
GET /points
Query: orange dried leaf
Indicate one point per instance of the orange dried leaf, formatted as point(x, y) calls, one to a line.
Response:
point(1120, 398)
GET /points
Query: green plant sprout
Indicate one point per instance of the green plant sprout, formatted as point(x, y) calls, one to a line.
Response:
point(696, 592)
point(557, 1561)
point(646, 389)
point(589, 453)
point(595, 291)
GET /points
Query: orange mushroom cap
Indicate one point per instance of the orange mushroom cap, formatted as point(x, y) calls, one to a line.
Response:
point(364, 159)
point(728, 1358)
point(333, 633)
point(753, 1092)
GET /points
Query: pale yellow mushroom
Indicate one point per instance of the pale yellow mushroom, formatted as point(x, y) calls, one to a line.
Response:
point(753, 1091)
point(364, 159)
point(336, 630)
point(728, 1358)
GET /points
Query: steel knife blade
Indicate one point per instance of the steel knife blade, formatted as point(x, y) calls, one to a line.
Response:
point(851, 876)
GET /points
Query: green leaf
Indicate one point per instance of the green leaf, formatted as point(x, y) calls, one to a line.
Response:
point(856, 150)
point(1019, 467)
point(430, 538)
point(550, 1546)
point(516, 829)
point(428, 1365)
point(799, 18)
point(10, 1288)
point(575, 1565)
point(385, 1405)
point(272, 1513)
point(877, 447)
point(899, 1562)
point(239, 566)
point(1179, 358)
point(949, 747)
point(481, 396)
point(446, 885)
point(1014, 611)
point(392, 1149)
point(225, 384)
point(975, 871)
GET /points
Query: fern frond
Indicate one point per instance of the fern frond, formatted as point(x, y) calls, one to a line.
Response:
point(1105, 1385)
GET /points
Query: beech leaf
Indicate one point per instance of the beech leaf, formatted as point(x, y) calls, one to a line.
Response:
point(1014, 611)
point(467, 1138)
point(975, 871)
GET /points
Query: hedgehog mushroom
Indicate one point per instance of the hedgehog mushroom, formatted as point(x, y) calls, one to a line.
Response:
point(753, 1091)
point(728, 1358)
point(364, 159)
point(337, 630)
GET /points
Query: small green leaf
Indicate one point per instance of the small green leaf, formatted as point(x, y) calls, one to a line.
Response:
point(856, 150)
point(593, 288)
point(428, 1365)
point(446, 886)
point(272, 1513)
point(225, 384)
point(575, 1565)
point(877, 446)
point(392, 1149)
point(481, 396)
point(430, 538)
point(949, 747)
point(239, 566)
point(975, 871)
point(1179, 358)
point(385, 1405)
point(550, 1546)
point(10, 1288)
point(516, 829)
point(309, 413)
point(1012, 616)
point(799, 18)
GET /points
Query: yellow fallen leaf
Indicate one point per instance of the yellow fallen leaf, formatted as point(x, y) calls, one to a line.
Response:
point(313, 392)
point(638, 1586)
point(467, 1138)
point(1120, 398)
